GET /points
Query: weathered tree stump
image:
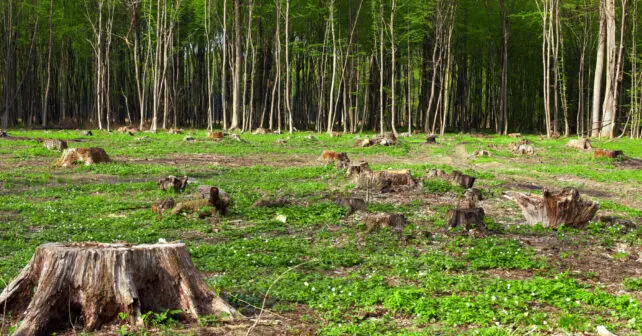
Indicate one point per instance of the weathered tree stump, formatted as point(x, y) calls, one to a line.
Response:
point(523, 149)
point(581, 144)
point(554, 209)
point(267, 202)
point(163, 205)
point(386, 139)
point(480, 152)
point(88, 284)
point(467, 218)
point(385, 181)
point(352, 204)
point(382, 220)
point(175, 131)
point(86, 133)
point(341, 160)
point(88, 156)
point(611, 154)
point(357, 168)
point(55, 144)
point(3, 134)
point(259, 131)
point(215, 135)
point(178, 184)
point(471, 197)
point(431, 139)
point(216, 197)
point(127, 130)
point(457, 177)
point(515, 135)
point(188, 138)
point(365, 142)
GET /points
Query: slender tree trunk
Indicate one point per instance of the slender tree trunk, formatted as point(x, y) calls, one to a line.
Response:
point(45, 99)
point(381, 106)
point(236, 95)
point(597, 82)
point(609, 104)
point(334, 70)
point(287, 65)
point(393, 51)
point(504, 89)
point(224, 67)
point(8, 63)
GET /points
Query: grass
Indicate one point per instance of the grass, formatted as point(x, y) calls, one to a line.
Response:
point(425, 280)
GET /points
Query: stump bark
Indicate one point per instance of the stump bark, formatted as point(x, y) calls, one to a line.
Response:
point(376, 221)
point(88, 156)
point(611, 154)
point(581, 144)
point(385, 181)
point(431, 139)
point(457, 177)
point(467, 218)
point(554, 209)
point(88, 284)
point(357, 168)
point(172, 182)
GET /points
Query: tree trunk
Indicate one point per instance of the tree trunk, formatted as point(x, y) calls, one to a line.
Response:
point(236, 95)
point(393, 50)
point(597, 82)
point(609, 104)
point(93, 283)
point(48, 85)
point(504, 89)
point(224, 67)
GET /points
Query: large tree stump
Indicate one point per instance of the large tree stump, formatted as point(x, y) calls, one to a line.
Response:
point(376, 221)
point(341, 160)
point(431, 139)
point(385, 139)
point(88, 284)
point(3, 134)
point(357, 168)
point(581, 144)
point(469, 219)
point(88, 156)
point(554, 209)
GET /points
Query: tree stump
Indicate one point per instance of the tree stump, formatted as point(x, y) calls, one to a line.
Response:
point(386, 139)
point(216, 197)
point(188, 138)
point(259, 131)
point(480, 152)
point(554, 209)
point(357, 168)
point(172, 182)
point(365, 142)
point(385, 181)
point(88, 156)
point(163, 205)
point(217, 136)
point(86, 133)
point(55, 144)
point(581, 144)
point(89, 284)
point(382, 220)
point(467, 218)
point(431, 139)
point(523, 149)
point(352, 204)
point(611, 154)
point(340, 159)
point(3, 134)
point(457, 177)
point(515, 135)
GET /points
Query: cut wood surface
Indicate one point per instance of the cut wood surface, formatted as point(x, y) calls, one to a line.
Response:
point(88, 156)
point(89, 284)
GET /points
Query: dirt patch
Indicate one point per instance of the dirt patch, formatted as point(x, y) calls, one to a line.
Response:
point(270, 160)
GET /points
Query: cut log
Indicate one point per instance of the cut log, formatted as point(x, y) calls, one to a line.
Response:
point(466, 218)
point(163, 205)
point(554, 209)
point(378, 221)
point(88, 156)
point(55, 144)
point(352, 204)
point(581, 144)
point(357, 168)
point(611, 154)
point(456, 177)
point(178, 184)
point(89, 284)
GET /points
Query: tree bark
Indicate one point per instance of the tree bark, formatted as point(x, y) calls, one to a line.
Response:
point(93, 283)
point(236, 95)
point(597, 82)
